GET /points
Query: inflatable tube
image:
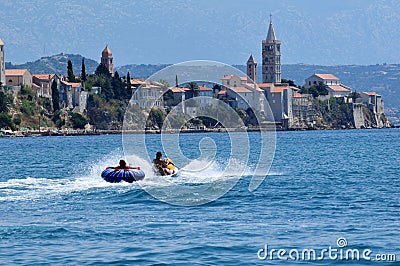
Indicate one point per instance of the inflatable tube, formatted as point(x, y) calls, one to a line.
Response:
point(117, 175)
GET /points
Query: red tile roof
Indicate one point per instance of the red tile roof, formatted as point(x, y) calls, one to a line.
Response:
point(371, 93)
point(239, 89)
point(327, 76)
point(202, 88)
point(15, 72)
point(265, 85)
point(339, 88)
point(72, 84)
point(178, 90)
point(43, 76)
point(279, 89)
point(227, 77)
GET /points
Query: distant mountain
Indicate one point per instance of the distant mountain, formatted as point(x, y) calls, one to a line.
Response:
point(57, 64)
point(140, 71)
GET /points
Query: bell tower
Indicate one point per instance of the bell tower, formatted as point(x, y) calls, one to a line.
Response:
point(252, 70)
point(2, 65)
point(271, 57)
point(107, 60)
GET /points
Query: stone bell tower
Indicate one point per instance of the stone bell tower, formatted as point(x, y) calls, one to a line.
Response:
point(271, 57)
point(107, 60)
point(252, 70)
point(2, 65)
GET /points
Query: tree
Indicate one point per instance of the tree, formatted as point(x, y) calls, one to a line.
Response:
point(70, 72)
point(128, 82)
point(5, 100)
point(102, 70)
point(156, 117)
point(78, 121)
point(193, 89)
point(83, 70)
point(288, 81)
point(55, 96)
point(316, 90)
point(118, 87)
point(5, 121)
point(354, 96)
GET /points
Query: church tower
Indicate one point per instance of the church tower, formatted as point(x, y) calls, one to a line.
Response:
point(107, 60)
point(252, 70)
point(271, 57)
point(2, 65)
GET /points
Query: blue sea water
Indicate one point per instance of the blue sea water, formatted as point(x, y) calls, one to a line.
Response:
point(323, 186)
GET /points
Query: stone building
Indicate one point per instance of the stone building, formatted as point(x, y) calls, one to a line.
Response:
point(73, 96)
point(271, 58)
point(18, 77)
point(107, 60)
point(252, 70)
point(42, 83)
point(334, 86)
point(2, 65)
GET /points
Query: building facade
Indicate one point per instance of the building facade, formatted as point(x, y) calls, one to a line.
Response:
point(42, 83)
point(18, 77)
point(271, 58)
point(107, 60)
point(2, 65)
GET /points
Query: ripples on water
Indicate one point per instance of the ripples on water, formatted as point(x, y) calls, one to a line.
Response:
point(55, 208)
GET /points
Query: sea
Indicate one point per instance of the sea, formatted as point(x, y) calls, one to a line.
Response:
point(327, 198)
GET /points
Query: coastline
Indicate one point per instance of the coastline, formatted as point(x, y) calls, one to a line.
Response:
point(77, 132)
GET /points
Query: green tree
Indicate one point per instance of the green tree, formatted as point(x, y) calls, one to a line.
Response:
point(288, 81)
point(83, 71)
point(78, 121)
point(156, 118)
point(70, 72)
point(354, 96)
point(118, 87)
point(55, 96)
point(128, 83)
point(5, 100)
point(5, 121)
point(194, 92)
point(102, 70)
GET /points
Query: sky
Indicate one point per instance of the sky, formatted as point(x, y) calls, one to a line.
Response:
point(324, 32)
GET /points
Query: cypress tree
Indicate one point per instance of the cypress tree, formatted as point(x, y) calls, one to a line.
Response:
point(128, 83)
point(55, 96)
point(83, 72)
point(70, 72)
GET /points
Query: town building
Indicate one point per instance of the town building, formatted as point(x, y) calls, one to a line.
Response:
point(149, 95)
point(73, 96)
point(334, 86)
point(280, 100)
point(2, 65)
point(18, 77)
point(373, 101)
point(271, 57)
point(42, 84)
point(107, 60)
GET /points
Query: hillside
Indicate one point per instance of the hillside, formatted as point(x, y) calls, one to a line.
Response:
point(57, 64)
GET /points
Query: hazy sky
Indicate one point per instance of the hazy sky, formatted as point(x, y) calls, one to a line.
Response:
point(311, 31)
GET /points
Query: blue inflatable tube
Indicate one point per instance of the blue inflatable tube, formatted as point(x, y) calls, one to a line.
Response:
point(117, 175)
